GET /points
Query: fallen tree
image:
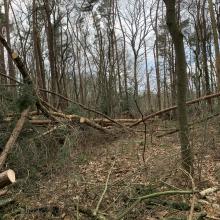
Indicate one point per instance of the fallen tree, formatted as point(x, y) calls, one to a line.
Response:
point(42, 106)
point(175, 107)
point(190, 125)
point(13, 137)
point(83, 106)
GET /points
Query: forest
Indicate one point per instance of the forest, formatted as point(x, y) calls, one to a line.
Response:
point(109, 109)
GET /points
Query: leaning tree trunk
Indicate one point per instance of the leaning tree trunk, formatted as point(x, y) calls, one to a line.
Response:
point(177, 37)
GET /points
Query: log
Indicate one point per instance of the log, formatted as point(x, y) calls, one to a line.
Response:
point(94, 125)
point(14, 135)
point(7, 178)
point(175, 107)
point(190, 125)
point(44, 122)
point(83, 107)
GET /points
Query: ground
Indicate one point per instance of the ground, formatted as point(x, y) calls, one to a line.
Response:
point(75, 188)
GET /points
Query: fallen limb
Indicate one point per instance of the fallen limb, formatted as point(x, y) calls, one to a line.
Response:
point(174, 107)
point(14, 135)
point(7, 178)
point(11, 78)
point(104, 191)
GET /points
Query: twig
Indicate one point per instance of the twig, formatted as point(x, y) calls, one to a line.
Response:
point(145, 131)
point(104, 191)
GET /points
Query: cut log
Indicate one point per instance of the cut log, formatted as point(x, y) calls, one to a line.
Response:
point(7, 178)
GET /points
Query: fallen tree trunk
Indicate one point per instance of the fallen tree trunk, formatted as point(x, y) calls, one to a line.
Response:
point(6, 178)
point(82, 120)
point(191, 124)
point(14, 135)
point(94, 125)
point(83, 106)
point(175, 107)
point(102, 122)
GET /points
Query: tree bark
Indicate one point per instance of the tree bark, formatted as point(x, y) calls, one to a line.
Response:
point(39, 63)
point(51, 50)
point(216, 43)
point(177, 37)
point(7, 25)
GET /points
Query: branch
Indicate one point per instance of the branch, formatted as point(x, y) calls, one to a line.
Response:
point(104, 191)
point(11, 78)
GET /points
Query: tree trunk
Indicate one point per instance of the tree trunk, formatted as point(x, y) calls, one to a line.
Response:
point(148, 79)
point(216, 43)
point(177, 37)
point(40, 73)
point(51, 51)
point(7, 25)
point(156, 57)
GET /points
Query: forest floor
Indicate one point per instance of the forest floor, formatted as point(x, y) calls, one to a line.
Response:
point(77, 185)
